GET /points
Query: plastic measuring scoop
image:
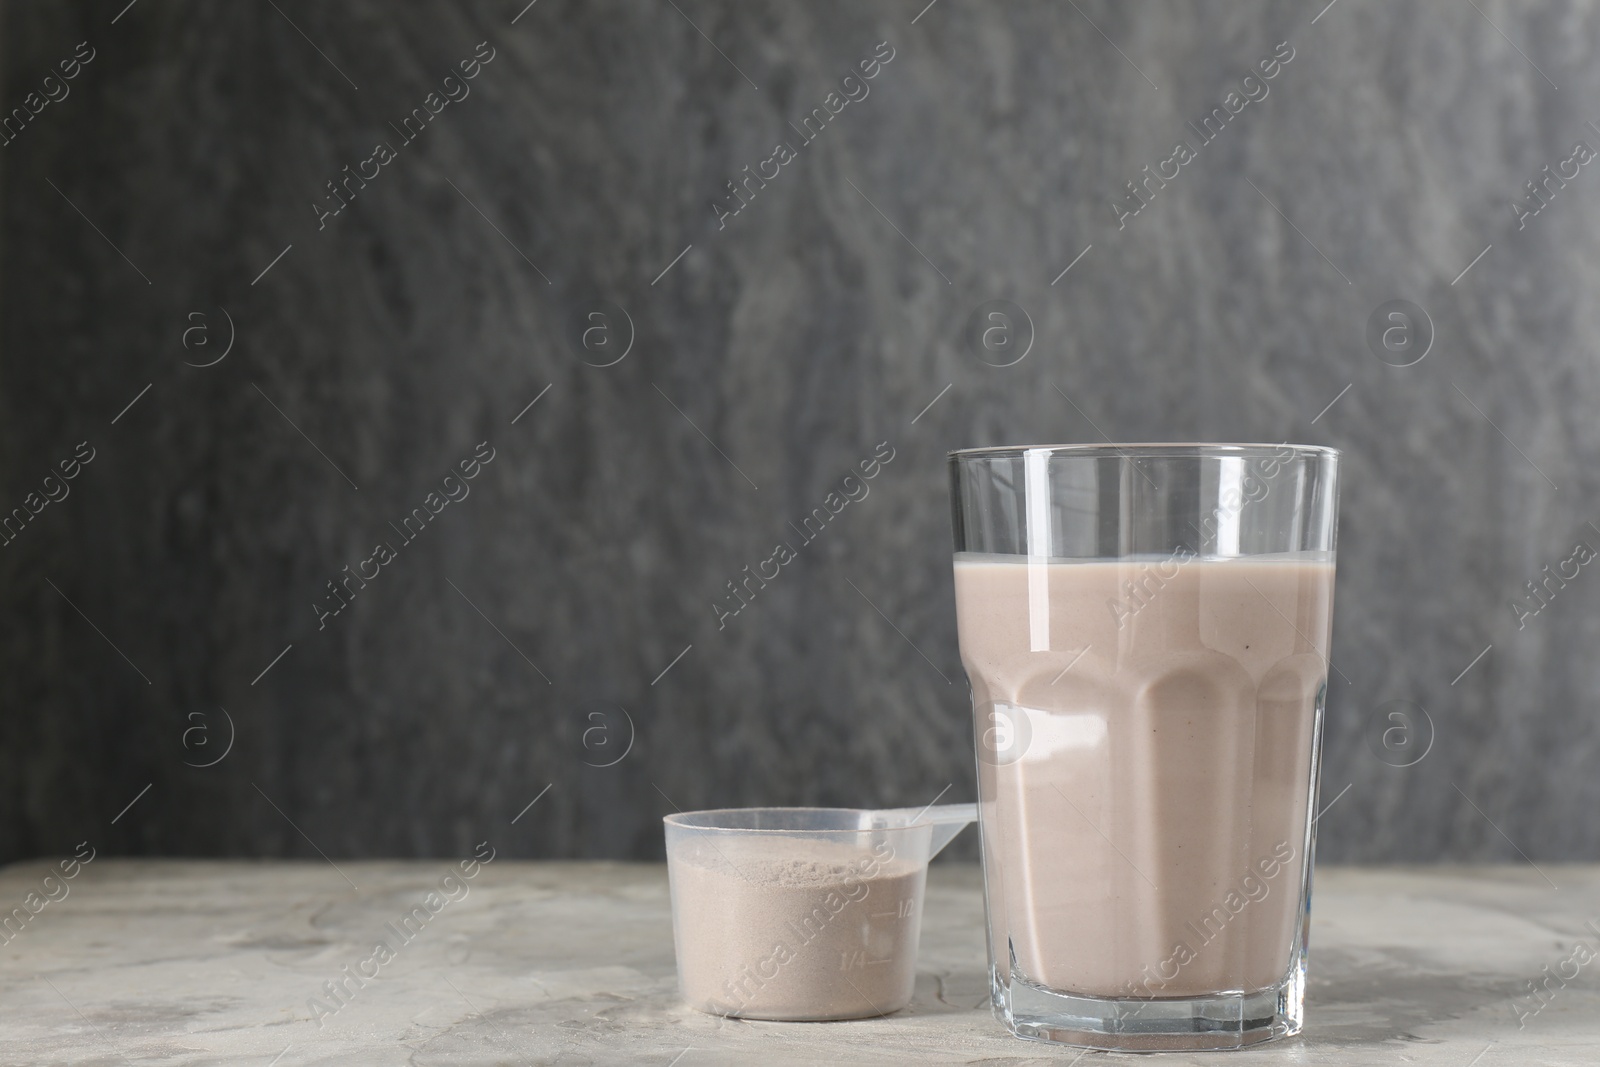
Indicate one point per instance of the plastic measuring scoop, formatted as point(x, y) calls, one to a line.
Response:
point(947, 820)
point(802, 913)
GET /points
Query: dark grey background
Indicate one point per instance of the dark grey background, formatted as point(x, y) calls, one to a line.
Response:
point(818, 323)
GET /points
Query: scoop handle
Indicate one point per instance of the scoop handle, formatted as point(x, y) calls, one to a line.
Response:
point(948, 820)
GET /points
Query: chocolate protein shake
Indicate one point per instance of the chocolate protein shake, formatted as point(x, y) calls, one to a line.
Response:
point(1145, 736)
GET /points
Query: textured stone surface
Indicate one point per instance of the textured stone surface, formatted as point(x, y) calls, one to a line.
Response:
point(777, 352)
point(187, 963)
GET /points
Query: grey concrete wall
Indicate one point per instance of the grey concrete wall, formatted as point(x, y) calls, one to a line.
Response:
point(175, 199)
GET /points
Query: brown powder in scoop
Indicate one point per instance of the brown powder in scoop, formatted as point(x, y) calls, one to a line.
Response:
point(793, 928)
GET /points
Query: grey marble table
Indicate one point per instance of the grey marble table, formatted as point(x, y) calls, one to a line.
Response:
point(177, 962)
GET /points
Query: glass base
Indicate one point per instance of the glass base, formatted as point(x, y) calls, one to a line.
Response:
point(1227, 1020)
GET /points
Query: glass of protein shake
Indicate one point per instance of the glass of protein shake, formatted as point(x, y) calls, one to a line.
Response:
point(1146, 629)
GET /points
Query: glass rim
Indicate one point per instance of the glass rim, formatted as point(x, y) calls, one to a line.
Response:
point(1148, 450)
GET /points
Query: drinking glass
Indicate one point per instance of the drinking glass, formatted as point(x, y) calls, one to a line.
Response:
point(1146, 631)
